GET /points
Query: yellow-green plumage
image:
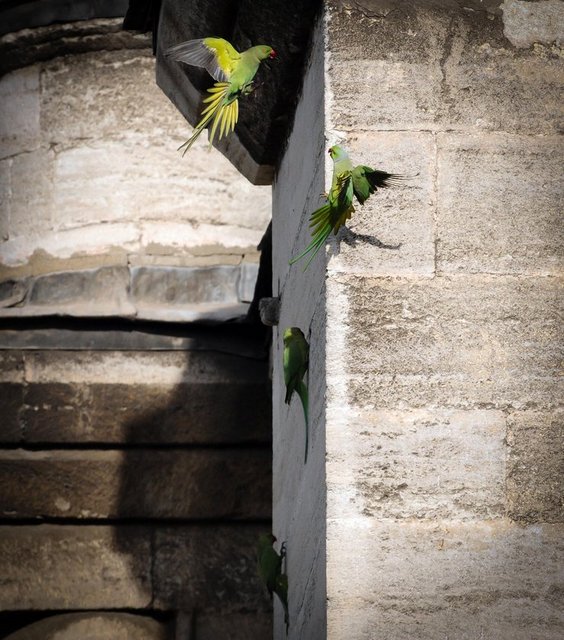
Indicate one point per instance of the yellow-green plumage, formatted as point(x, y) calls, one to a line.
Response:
point(233, 72)
point(348, 182)
point(269, 566)
point(295, 360)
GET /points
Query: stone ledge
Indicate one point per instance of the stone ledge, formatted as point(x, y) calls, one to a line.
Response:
point(170, 294)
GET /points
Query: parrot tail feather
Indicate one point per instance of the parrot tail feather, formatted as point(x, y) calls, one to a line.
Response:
point(302, 392)
point(319, 220)
point(218, 113)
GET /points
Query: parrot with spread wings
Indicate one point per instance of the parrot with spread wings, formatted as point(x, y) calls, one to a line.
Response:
point(348, 182)
point(233, 72)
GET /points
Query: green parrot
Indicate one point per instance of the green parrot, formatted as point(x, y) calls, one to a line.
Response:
point(270, 570)
point(296, 362)
point(234, 73)
point(348, 181)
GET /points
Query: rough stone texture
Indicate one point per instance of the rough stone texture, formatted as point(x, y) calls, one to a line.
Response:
point(236, 626)
point(502, 220)
point(438, 68)
point(440, 579)
point(208, 568)
point(535, 466)
point(95, 171)
point(94, 626)
point(526, 23)
point(200, 484)
point(167, 293)
point(434, 380)
point(464, 342)
point(19, 112)
point(66, 567)
point(134, 397)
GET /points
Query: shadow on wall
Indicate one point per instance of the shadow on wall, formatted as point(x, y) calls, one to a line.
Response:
point(195, 482)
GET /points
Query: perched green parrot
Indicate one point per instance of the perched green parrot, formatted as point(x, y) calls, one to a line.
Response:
point(270, 570)
point(234, 73)
point(296, 362)
point(348, 181)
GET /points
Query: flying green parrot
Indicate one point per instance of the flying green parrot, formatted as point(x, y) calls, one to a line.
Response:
point(348, 181)
point(270, 570)
point(234, 73)
point(296, 362)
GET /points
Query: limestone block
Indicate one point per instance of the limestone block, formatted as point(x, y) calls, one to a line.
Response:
point(208, 568)
point(398, 215)
point(526, 23)
point(466, 341)
point(397, 62)
point(430, 580)
point(94, 626)
point(31, 194)
point(5, 166)
point(11, 366)
point(231, 484)
point(11, 402)
point(167, 367)
point(19, 111)
point(499, 204)
point(70, 567)
point(535, 467)
point(136, 179)
point(146, 413)
point(91, 292)
point(103, 94)
point(193, 397)
point(425, 464)
point(431, 67)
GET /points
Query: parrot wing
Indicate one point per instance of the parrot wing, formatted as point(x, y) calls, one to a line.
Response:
point(215, 55)
point(269, 562)
point(367, 180)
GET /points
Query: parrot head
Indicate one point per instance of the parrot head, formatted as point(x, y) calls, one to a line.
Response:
point(337, 153)
point(266, 539)
point(263, 51)
point(292, 332)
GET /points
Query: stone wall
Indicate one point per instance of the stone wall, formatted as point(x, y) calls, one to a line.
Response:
point(135, 473)
point(438, 360)
point(90, 175)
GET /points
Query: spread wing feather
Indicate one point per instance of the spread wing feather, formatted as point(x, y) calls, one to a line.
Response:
point(215, 55)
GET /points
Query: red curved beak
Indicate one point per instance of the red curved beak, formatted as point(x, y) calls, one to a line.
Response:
point(273, 54)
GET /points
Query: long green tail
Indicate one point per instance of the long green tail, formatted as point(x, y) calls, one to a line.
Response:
point(217, 112)
point(302, 392)
point(320, 234)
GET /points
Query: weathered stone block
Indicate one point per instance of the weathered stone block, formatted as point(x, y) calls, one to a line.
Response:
point(69, 567)
point(443, 579)
point(19, 111)
point(31, 194)
point(209, 568)
point(104, 94)
point(535, 466)
point(235, 626)
point(499, 204)
point(467, 341)
point(147, 413)
point(11, 366)
point(94, 626)
point(417, 464)
point(107, 484)
point(431, 66)
point(5, 189)
point(11, 403)
point(526, 23)
point(399, 217)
